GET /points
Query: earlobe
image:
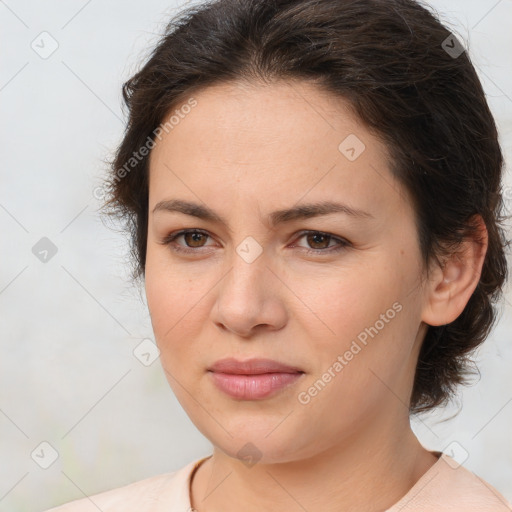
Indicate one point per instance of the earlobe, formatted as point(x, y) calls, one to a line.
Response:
point(451, 286)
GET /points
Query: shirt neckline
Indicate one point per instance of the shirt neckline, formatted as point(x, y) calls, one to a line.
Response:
point(420, 483)
point(190, 478)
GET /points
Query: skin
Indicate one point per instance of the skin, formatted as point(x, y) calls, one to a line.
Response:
point(245, 151)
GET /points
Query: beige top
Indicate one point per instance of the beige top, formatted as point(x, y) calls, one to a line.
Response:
point(445, 487)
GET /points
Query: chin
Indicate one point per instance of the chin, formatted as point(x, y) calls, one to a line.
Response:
point(266, 445)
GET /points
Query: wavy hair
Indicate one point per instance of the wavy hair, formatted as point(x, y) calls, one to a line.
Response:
point(405, 76)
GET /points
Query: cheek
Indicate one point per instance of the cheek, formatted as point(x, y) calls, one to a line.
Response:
point(168, 296)
point(344, 302)
point(358, 324)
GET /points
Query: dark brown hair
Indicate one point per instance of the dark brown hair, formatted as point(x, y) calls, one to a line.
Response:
point(402, 74)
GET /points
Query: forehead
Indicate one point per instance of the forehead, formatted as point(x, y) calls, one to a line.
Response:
point(277, 142)
point(289, 113)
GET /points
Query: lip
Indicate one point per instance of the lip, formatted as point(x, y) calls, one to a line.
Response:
point(254, 379)
point(260, 366)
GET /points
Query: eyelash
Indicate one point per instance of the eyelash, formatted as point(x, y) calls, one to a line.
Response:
point(343, 244)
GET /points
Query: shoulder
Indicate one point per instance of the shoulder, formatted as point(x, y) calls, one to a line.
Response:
point(448, 486)
point(151, 494)
point(137, 494)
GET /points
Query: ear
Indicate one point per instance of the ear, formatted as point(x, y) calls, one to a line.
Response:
point(450, 287)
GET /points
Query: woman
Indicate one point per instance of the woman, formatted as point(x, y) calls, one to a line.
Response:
point(313, 194)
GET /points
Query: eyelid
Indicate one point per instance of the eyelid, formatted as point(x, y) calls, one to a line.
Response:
point(176, 234)
point(343, 244)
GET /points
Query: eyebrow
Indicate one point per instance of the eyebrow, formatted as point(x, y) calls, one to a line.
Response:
point(304, 211)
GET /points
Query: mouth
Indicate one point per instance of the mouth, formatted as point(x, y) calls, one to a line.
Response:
point(254, 379)
point(252, 367)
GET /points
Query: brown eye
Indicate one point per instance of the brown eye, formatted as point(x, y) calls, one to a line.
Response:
point(194, 238)
point(318, 239)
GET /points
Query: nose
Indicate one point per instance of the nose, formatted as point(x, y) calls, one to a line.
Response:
point(250, 298)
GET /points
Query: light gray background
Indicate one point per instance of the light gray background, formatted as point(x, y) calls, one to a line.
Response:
point(69, 326)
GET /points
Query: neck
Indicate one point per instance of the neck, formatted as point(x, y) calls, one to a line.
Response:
point(366, 473)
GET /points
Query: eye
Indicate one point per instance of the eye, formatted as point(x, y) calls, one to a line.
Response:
point(316, 238)
point(191, 236)
point(194, 238)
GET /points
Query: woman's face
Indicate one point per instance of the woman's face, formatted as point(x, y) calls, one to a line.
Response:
point(347, 314)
